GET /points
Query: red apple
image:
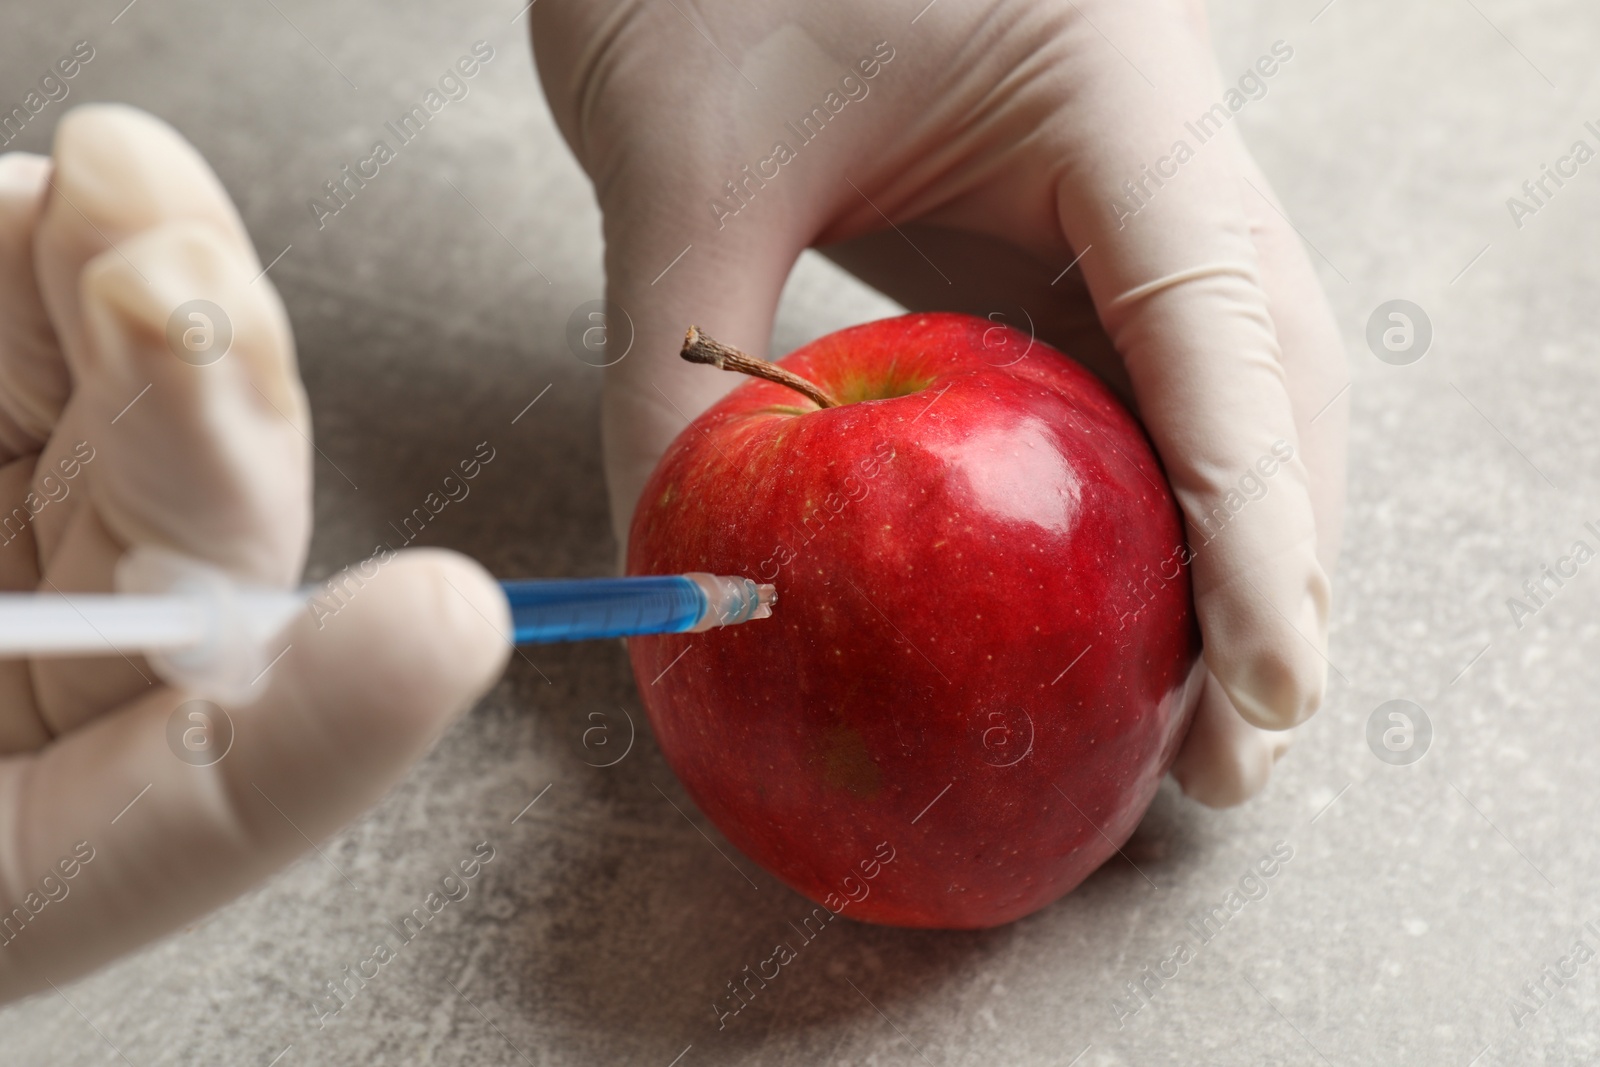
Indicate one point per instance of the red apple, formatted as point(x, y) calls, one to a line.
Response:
point(983, 656)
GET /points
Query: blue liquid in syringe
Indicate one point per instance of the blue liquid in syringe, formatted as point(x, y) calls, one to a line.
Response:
point(587, 608)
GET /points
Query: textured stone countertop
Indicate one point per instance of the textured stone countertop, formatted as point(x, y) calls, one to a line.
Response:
point(1418, 900)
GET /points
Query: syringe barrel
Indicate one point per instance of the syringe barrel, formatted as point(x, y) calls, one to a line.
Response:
point(584, 608)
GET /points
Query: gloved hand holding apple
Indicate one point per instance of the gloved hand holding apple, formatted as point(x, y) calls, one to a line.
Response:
point(977, 163)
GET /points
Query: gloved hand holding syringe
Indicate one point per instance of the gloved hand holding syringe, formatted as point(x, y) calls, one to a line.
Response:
point(214, 637)
point(157, 499)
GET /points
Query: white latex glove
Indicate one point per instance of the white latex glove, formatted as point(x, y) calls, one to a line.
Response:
point(213, 461)
point(995, 140)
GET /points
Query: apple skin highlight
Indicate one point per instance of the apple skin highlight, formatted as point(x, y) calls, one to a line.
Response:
point(984, 651)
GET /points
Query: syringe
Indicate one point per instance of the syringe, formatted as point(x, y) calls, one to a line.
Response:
point(212, 636)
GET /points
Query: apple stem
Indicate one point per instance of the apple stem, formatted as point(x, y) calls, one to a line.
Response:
point(698, 348)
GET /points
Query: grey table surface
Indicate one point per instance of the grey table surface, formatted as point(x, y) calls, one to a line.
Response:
point(1419, 899)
